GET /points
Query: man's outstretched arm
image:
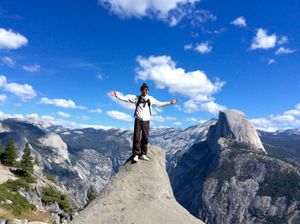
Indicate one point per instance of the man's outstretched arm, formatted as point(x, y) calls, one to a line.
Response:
point(163, 104)
point(130, 99)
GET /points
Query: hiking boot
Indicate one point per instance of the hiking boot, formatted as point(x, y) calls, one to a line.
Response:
point(144, 157)
point(135, 158)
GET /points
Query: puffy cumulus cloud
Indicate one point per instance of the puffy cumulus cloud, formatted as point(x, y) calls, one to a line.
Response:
point(119, 115)
point(263, 41)
point(24, 91)
point(240, 22)
point(162, 70)
point(8, 61)
point(194, 85)
point(289, 119)
point(203, 48)
point(63, 114)
point(32, 68)
point(61, 103)
point(209, 106)
point(169, 11)
point(11, 40)
point(294, 112)
point(2, 98)
point(283, 50)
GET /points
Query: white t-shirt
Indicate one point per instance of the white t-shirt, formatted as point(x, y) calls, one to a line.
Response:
point(143, 110)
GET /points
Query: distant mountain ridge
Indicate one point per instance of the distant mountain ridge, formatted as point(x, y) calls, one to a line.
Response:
point(202, 162)
point(79, 158)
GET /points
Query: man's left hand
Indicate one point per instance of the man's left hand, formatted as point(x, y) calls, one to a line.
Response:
point(174, 101)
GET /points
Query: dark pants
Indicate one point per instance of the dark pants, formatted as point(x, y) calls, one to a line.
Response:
point(140, 145)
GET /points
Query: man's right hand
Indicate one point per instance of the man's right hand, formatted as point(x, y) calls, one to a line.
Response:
point(113, 93)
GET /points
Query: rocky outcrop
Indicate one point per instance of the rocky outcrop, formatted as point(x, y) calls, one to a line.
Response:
point(233, 125)
point(138, 193)
point(229, 178)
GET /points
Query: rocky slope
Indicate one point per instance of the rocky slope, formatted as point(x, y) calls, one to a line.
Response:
point(229, 178)
point(138, 193)
point(34, 194)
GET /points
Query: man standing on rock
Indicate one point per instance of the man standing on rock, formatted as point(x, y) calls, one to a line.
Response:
point(142, 115)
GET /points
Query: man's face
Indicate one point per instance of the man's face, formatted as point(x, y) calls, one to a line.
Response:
point(144, 91)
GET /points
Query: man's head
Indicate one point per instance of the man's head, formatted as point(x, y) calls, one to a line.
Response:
point(144, 89)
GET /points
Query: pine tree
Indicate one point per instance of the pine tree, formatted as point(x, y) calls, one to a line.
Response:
point(1, 147)
point(1, 150)
point(91, 194)
point(27, 161)
point(10, 155)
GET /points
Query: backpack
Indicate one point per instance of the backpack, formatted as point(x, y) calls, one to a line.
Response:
point(140, 100)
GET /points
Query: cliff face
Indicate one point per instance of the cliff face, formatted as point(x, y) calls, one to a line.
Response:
point(233, 125)
point(229, 178)
point(138, 193)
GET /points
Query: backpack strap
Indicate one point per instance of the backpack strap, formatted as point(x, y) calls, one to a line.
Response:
point(140, 101)
point(137, 104)
point(149, 105)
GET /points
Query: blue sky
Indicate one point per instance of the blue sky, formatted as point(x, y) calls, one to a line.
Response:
point(59, 60)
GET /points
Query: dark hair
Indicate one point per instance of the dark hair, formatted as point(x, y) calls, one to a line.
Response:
point(144, 86)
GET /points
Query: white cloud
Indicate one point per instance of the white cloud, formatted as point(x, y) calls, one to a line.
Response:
point(63, 114)
point(5, 115)
point(294, 112)
point(32, 68)
point(283, 50)
point(61, 103)
point(194, 85)
point(192, 106)
point(289, 119)
point(119, 115)
point(159, 118)
point(283, 40)
point(271, 61)
point(24, 91)
point(203, 48)
point(98, 110)
point(263, 40)
point(170, 11)
point(8, 61)
point(188, 47)
point(240, 21)
point(177, 123)
point(99, 76)
point(162, 70)
point(11, 40)
point(195, 120)
point(2, 98)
